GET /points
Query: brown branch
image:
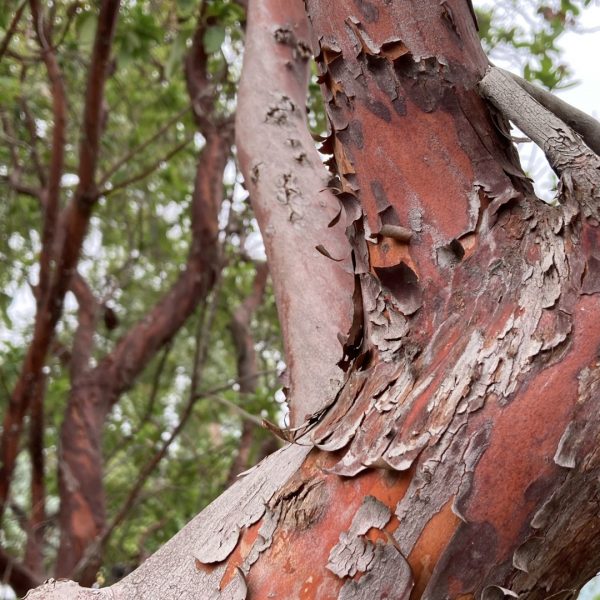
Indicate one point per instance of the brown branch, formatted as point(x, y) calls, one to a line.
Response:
point(81, 457)
point(202, 337)
point(34, 551)
point(51, 197)
point(17, 575)
point(12, 28)
point(136, 348)
point(148, 170)
point(73, 226)
point(87, 317)
point(31, 380)
point(92, 115)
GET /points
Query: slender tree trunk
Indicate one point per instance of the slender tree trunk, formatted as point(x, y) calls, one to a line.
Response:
point(460, 457)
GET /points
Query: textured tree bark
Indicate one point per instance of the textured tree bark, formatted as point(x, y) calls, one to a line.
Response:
point(296, 213)
point(459, 460)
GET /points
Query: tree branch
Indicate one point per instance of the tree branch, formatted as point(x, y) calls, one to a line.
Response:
point(148, 170)
point(202, 336)
point(90, 402)
point(34, 551)
point(33, 136)
point(561, 145)
point(17, 575)
point(92, 115)
point(12, 28)
point(585, 125)
point(279, 160)
point(243, 341)
point(72, 229)
point(129, 155)
point(87, 317)
point(51, 195)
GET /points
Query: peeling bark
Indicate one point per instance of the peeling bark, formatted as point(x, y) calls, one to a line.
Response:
point(287, 184)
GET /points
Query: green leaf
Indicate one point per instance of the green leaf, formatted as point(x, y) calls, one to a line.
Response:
point(214, 36)
point(176, 54)
point(86, 29)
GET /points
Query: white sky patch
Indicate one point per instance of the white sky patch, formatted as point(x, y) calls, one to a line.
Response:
point(580, 52)
point(69, 180)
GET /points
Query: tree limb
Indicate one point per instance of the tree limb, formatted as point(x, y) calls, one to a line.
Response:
point(243, 341)
point(12, 28)
point(129, 155)
point(94, 551)
point(279, 160)
point(561, 145)
point(585, 125)
point(17, 575)
point(147, 170)
point(87, 317)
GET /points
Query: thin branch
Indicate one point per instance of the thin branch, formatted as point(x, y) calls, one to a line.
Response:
point(20, 188)
point(13, 179)
point(148, 170)
point(560, 143)
point(238, 409)
point(92, 115)
point(585, 125)
point(156, 383)
point(127, 157)
point(12, 28)
point(246, 365)
point(51, 198)
point(32, 129)
point(34, 552)
point(201, 344)
point(17, 575)
point(73, 227)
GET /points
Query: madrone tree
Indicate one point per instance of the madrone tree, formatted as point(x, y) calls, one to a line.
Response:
point(440, 325)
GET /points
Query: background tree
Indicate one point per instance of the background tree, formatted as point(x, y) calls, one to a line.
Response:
point(100, 368)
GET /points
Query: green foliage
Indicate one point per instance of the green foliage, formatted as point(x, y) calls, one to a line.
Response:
point(526, 34)
point(136, 247)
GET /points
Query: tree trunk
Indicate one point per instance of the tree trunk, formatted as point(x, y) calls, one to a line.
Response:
point(460, 457)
